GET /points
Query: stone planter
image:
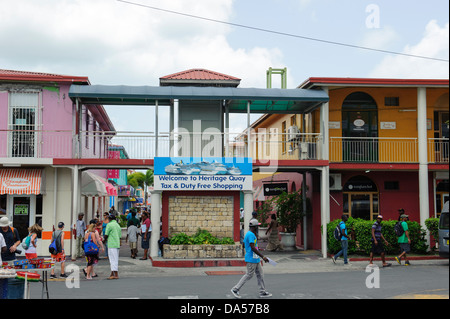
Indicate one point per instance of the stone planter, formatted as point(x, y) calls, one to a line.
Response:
point(288, 241)
point(202, 251)
point(124, 232)
point(262, 233)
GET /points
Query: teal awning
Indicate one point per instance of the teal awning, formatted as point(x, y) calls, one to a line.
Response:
point(275, 101)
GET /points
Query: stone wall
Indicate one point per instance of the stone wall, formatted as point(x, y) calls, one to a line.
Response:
point(213, 213)
point(202, 251)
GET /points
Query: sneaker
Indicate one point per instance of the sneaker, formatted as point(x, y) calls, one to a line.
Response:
point(265, 294)
point(333, 259)
point(398, 260)
point(52, 276)
point(235, 293)
point(63, 276)
point(407, 263)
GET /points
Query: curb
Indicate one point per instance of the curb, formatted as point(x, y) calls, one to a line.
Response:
point(190, 263)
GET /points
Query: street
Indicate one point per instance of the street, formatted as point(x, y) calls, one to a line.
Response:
point(424, 279)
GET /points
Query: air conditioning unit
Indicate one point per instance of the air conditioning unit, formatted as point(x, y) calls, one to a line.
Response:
point(292, 133)
point(335, 182)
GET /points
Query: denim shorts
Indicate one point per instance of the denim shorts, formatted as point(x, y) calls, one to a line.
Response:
point(405, 248)
point(145, 243)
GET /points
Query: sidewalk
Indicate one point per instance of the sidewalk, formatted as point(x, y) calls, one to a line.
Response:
point(297, 261)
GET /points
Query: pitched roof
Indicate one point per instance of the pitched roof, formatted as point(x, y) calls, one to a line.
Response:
point(199, 76)
point(12, 75)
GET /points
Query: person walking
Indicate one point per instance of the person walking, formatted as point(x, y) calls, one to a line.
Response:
point(252, 258)
point(377, 242)
point(105, 222)
point(405, 241)
point(344, 241)
point(33, 232)
point(113, 233)
point(60, 256)
point(80, 228)
point(274, 240)
point(132, 234)
point(92, 259)
point(145, 233)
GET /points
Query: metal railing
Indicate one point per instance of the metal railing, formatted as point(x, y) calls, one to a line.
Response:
point(264, 145)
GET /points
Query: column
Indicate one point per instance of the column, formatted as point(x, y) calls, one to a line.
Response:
point(75, 208)
point(248, 209)
point(423, 156)
point(324, 206)
point(155, 219)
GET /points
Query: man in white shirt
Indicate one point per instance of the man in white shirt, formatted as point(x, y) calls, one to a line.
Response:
point(2, 246)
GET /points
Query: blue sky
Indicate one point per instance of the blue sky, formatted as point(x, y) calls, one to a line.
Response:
point(112, 42)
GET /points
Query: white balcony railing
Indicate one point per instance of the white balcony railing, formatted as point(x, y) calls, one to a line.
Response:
point(264, 145)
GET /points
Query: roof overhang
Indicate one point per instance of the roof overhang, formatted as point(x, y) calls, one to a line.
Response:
point(318, 82)
point(274, 101)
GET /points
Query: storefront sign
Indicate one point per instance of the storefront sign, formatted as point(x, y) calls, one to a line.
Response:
point(21, 209)
point(208, 174)
point(274, 189)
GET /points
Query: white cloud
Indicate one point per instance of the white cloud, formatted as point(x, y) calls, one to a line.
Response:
point(116, 43)
point(435, 44)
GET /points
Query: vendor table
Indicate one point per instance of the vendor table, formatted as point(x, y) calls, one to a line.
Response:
point(43, 280)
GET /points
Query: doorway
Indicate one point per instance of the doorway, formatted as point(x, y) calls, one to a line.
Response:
point(360, 128)
point(361, 198)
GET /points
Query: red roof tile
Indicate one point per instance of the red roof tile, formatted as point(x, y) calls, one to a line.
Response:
point(12, 75)
point(200, 74)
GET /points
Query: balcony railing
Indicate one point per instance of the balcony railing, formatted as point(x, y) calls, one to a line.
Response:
point(385, 150)
point(264, 145)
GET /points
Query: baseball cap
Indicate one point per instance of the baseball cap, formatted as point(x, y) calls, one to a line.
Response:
point(379, 216)
point(254, 222)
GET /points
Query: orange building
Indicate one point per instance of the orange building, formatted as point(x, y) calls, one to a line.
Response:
point(388, 148)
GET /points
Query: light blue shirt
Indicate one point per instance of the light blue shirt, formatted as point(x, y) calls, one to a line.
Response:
point(250, 256)
point(344, 227)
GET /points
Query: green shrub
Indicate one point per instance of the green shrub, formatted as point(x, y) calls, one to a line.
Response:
point(362, 243)
point(201, 237)
point(432, 225)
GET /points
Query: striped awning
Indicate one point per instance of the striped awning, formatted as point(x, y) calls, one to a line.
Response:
point(20, 181)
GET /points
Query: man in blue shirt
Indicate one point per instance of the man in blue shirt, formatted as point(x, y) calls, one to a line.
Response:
point(344, 241)
point(252, 258)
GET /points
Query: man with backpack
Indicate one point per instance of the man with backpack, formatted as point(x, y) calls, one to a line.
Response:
point(58, 254)
point(344, 241)
point(377, 242)
point(401, 230)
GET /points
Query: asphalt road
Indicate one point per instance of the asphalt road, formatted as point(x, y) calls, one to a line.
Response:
point(424, 280)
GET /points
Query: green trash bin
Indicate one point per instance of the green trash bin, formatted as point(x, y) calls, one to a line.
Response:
point(16, 288)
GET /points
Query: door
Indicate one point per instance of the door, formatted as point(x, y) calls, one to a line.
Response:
point(360, 130)
point(21, 210)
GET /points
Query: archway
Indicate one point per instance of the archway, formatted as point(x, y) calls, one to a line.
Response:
point(359, 128)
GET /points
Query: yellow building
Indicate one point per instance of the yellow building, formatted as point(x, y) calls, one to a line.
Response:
point(387, 142)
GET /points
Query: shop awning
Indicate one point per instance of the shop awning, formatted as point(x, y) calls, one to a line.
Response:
point(19, 181)
point(92, 185)
point(110, 189)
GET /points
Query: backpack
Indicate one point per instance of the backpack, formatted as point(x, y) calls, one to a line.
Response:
point(53, 249)
point(90, 248)
point(337, 232)
point(398, 228)
point(26, 243)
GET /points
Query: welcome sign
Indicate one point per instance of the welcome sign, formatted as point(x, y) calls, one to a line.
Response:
point(209, 174)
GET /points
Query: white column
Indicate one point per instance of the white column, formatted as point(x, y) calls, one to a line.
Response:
point(248, 209)
point(423, 156)
point(155, 219)
point(324, 206)
point(324, 129)
point(75, 208)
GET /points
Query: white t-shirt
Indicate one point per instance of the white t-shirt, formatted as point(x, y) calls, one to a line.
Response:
point(2, 244)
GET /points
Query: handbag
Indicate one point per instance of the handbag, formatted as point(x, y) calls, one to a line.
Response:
point(90, 248)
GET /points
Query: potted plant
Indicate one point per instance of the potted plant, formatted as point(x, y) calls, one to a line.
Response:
point(289, 208)
point(263, 212)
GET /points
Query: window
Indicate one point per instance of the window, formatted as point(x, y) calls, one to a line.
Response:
point(283, 137)
point(22, 124)
point(361, 198)
point(394, 185)
point(392, 101)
